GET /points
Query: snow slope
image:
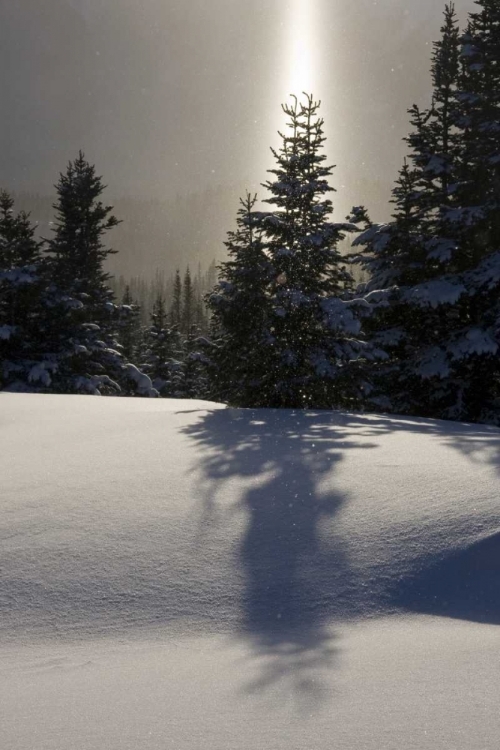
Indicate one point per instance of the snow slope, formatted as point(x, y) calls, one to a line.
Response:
point(175, 574)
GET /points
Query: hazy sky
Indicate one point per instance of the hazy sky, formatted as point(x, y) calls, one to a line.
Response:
point(170, 96)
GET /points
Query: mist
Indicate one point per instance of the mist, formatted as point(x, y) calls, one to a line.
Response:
point(172, 98)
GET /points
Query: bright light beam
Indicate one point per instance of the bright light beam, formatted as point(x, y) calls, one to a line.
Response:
point(298, 69)
point(301, 58)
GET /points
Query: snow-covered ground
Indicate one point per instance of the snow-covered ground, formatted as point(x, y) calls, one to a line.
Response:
point(175, 574)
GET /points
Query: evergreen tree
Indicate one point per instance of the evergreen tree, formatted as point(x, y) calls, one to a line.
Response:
point(192, 380)
point(82, 221)
point(440, 321)
point(18, 247)
point(176, 307)
point(200, 314)
point(435, 139)
point(396, 324)
point(145, 291)
point(129, 327)
point(188, 315)
point(192, 375)
point(83, 336)
point(239, 305)
point(312, 330)
point(200, 311)
point(474, 219)
point(25, 364)
point(163, 349)
point(286, 332)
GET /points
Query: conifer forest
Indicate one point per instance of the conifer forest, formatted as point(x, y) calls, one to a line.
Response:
point(284, 320)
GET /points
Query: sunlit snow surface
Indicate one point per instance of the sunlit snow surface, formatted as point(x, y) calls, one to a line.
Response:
point(174, 574)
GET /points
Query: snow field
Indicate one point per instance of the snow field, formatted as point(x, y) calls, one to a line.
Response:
point(178, 574)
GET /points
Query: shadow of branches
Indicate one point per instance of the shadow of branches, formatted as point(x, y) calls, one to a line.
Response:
point(294, 577)
point(297, 580)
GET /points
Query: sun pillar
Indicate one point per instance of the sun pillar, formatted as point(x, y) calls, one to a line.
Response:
point(301, 57)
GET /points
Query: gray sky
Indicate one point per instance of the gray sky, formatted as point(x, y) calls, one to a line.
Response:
point(170, 96)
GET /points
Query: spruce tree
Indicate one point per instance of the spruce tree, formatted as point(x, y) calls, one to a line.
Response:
point(129, 327)
point(176, 306)
point(440, 321)
point(188, 314)
point(474, 219)
point(192, 377)
point(84, 332)
point(18, 247)
point(163, 350)
point(435, 139)
point(286, 290)
point(395, 259)
point(239, 305)
point(25, 304)
point(312, 330)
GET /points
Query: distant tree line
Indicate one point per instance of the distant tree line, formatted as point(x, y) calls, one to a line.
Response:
point(164, 323)
point(289, 326)
point(145, 290)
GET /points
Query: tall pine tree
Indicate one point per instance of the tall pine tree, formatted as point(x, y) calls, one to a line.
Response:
point(163, 351)
point(440, 322)
point(312, 331)
point(176, 306)
point(129, 327)
point(239, 305)
point(307, 332)
point(25, 304)
point(84, 332)
point(474, 219)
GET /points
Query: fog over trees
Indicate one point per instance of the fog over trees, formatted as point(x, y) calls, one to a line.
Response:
point(173, 98)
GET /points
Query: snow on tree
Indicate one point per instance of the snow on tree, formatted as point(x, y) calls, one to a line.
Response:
point(25, 363)
point(435, 268)
point(286, 332)
point(83, 332)
point(474, 217)
point(312, 333)
point(239, 305)
point(129, 327)
point(163, 351)
point(396, 259)
point(192, 375)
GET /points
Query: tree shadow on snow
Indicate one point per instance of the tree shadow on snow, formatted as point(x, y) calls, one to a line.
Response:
point(464, 585)
point(296, 576)
point(298, 579)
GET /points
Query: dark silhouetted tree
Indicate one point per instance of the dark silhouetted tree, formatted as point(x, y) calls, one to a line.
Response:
point(239, 305)
point(84, 336)
point(25, 304)
point(440, 322)
point(307, 331)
